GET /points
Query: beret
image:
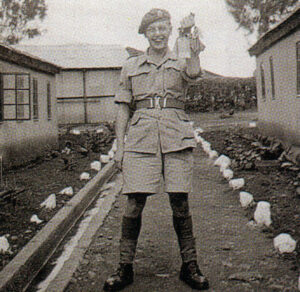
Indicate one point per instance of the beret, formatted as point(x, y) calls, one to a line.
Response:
point(152, 16)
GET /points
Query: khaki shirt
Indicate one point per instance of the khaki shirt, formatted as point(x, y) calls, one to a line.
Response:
point(170, 128)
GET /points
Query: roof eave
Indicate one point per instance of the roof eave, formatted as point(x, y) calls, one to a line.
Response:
point(19, 58)
point(91, 68)
point(284, 29)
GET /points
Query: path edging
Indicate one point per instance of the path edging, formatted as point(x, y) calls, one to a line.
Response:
point(21, 270)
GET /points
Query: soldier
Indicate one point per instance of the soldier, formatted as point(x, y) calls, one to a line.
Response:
point(159, 143)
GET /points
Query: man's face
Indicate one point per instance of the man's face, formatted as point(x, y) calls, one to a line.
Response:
point(158, 34)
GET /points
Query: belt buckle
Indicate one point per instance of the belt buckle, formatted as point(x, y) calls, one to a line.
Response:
point(156, 102)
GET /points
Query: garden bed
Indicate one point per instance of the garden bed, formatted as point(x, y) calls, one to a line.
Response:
point(33, 183)
point(266, 179)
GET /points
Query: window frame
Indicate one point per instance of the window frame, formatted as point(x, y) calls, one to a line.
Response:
point(1, 99)
point(49, 101)
point(15, 90)
point(298, 68)
point(35, 99)
point(272, 77)
point(262, 82)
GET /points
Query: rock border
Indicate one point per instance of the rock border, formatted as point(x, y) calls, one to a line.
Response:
point(19, 273)
point(206, 146)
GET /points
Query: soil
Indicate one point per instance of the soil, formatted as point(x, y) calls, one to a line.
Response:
point(273, 184)
point(233, 255)
point(47, 175)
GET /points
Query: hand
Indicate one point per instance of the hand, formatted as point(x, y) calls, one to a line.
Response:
point(196, 45)
point(118, 158)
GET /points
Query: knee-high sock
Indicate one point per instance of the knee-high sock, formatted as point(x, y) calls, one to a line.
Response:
point(184, 229)
point(130, 232)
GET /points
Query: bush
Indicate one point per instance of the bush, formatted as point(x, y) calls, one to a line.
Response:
point(213, 94)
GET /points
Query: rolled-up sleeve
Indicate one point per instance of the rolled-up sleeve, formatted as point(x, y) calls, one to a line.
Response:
point(189, 79)
point(124, 91)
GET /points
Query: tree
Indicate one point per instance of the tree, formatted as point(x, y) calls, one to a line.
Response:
point(20, 19)
point(258, 16)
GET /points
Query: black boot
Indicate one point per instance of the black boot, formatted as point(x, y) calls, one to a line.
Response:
point(191, 275)
point(120, 279)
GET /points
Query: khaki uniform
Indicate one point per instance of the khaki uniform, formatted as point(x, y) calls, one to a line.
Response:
point(159, 141)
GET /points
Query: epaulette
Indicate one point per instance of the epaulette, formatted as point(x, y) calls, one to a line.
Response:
point(132, 52)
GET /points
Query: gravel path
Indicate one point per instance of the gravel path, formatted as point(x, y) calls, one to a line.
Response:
point(232, 255)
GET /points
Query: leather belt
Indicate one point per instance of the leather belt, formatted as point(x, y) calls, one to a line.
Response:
point(159, 102)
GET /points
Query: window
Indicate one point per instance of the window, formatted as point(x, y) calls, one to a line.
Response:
point(272, 77)
point(1, 98)
point(49, 110)
point(298, 69)
point(35, 99)
point(15, 96)
point(263, 84)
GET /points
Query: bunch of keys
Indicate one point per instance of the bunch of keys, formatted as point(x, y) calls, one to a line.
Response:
point(188, 40)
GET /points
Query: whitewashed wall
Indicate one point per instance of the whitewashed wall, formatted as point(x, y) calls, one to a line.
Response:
point(280, 116)
point(21, 141)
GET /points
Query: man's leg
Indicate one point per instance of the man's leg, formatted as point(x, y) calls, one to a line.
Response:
point(182, 222)
point(131, 226)
point(183, 225)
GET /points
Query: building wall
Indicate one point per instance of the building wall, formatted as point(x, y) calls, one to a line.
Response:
point(100, 88)
point(280, 115)
point(21, 141)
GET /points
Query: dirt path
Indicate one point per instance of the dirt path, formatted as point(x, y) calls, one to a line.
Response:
point(231, 254)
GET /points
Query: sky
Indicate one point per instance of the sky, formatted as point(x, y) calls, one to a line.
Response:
point(117, 22)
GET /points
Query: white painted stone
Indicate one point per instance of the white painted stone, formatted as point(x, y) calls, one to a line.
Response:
point(67, 191)
point(75, 132)
point(227, 173)
point(262, 214)
point(199, 130)
point(96, 165)
point(104, 158)
point(50, 202)
point(99, 130)
point(199, 139)
point(246, 199)
point(206, 147)
point(222, 161)
point(85, 176)
point(252, 125)
point(111, 154)
point(237, 183)
point(35, 219)
point(114, 146)
point(206, 144)
point(213, 154)
point(4, 245)
point(284, 243)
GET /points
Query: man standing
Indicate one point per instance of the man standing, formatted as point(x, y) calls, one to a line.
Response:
point(159, 144)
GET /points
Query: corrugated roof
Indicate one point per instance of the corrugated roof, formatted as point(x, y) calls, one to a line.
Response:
point(86, 56)
point(75, 56)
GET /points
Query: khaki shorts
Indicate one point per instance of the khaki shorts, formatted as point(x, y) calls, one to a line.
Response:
point(143, 172)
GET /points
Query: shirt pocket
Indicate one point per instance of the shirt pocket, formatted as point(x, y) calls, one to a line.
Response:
point(173, 77)
point(140, 81)
point(186, 128)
